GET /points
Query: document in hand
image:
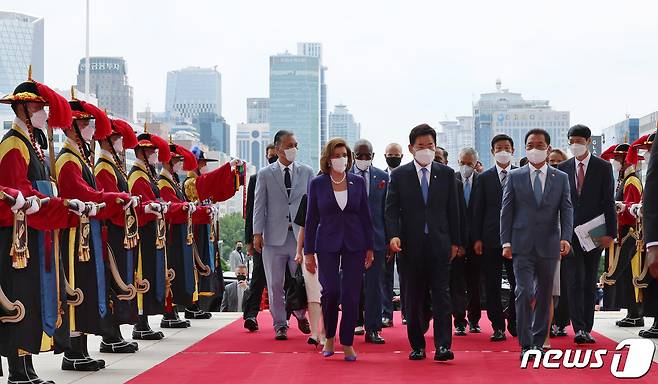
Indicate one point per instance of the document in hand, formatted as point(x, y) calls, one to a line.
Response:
point(589, 233)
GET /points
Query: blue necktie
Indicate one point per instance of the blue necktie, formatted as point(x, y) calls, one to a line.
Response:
point(537, 187)
point(425, 188)
point(467, 191)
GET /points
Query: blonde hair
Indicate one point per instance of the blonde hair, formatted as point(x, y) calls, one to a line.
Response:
point(328, 151)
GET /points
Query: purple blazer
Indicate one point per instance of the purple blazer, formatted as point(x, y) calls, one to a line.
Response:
point(330, 229)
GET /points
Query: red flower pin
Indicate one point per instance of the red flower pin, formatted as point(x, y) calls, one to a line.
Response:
point(382, 184)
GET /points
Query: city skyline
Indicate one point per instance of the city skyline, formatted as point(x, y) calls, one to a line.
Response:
point(418, 74)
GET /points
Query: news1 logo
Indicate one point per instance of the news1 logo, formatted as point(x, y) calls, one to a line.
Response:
point(638, 358)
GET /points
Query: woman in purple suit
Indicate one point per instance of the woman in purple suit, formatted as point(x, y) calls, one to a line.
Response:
point(339, 230)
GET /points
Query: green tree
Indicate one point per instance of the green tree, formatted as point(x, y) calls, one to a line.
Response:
point(231, 230)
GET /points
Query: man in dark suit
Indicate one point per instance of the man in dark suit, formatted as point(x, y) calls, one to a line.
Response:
point(465, 269)
point(535, 228)
point(422, 224)
point(650, 211)
point(486, 233)
point(376, 185)
point(258, 282)
point(592, 194)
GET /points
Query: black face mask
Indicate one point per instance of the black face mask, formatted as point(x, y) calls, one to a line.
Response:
point(241, 277)
point(393, 162)
point(239, 249)
point(272, 159)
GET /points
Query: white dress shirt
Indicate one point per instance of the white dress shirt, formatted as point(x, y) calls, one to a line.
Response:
point(542, 175)
point(585, 163)
point(420, 174)
point(341, 199)
point(366, 176)
point(291, 167)
point(500, 170)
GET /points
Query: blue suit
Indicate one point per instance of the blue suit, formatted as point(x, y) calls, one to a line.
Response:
point(534, 231)
point(372, 300)
point(340, 238)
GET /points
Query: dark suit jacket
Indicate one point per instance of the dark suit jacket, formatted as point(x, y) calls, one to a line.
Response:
point(406, 212)
point(249, 220)
point(486, 208)
point(467, 210)
point(527, 225)
point(377, 202)
point(597, 196)
point(230, 298)
point(650, 204)
point(330, 229)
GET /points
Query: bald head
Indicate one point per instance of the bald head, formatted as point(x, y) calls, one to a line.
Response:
point(393, 155)
point(393, 148)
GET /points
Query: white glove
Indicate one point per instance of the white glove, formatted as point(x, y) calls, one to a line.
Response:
point(636, 210)
point(620, 206)
point(153, 208)
point(165, 207)
point(78, 206)
point(35, 207)
point(93, 209)
point(134, 201)
point(236, 162)
point(191, 208)
point(19, 204)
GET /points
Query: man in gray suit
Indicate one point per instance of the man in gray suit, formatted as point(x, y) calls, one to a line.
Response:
point(279, 190)
point(536, 223)
point(235, 292)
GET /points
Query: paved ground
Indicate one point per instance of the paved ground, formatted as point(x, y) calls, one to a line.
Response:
point(121, 368)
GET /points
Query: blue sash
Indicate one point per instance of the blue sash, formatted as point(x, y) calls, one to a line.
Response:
point(130, 268)
point(188, 263)
point(211, 249)
point(48, 280)
point(160, 275)
point(97, 243)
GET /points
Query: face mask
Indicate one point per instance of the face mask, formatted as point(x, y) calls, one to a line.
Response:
point(273, 159)
point(536, 156)
point(118, 145)
point(578, 149)
point(466, 171)
point(203, 169)
point(616, 166)
point(291, 154)
point(153, 158)
point(647, 157)
point(424, 156)
point(503, 157)
point(178, 167)
point(39, 118)
point(363, 165)
point(393, 162)
point(339, 165)
point(87, 133)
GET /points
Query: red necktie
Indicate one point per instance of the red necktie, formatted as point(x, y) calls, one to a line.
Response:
point(581, 177)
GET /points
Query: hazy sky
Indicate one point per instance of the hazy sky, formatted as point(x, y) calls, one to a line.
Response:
point(394, 64)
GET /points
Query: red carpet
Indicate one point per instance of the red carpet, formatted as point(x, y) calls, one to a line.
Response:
point(233, 354)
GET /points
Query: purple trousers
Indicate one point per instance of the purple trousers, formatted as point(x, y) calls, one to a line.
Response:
point(341, 275)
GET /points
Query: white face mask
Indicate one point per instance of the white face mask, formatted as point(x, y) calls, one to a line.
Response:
point(616, 166)
point(118, 145)
point(536, 156)
point(203, 169)
point(466, 171)
point(424, 156)
point(178, 167)
point(339, 165)
point(291, 154)
point(153, 158)
point(87, 133)
point(39, 118)
point(578, 149)
point(503, 157)
point(363, 165)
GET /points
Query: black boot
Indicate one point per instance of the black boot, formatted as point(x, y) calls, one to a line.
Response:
point(651, 333)
point(194, 312)
point(172, 320)
point(85, 353)
point(117, 344)
point(142, 330)
point(22, 371)
point(75, 359)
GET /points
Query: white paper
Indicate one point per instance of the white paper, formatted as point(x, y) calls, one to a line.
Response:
point(582, 231)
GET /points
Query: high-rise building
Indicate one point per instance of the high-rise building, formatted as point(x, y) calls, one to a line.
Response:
point(194, 90)
point(252, 139)
point(295, 102)
point(258, 110)
point(458, 135)
point(108, 80)
point(506, 112)
point(213, 131)
point(315, 50)
point(21, 45)
point(342, 124)
point(625, 131)
point(648, 123)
